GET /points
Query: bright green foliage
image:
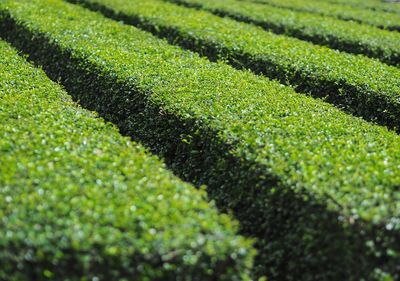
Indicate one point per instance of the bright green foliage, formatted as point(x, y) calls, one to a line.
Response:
point(363, 86)
point(376, 5)
point(81, 202)
point(317, 187)
point(347, 36)
point(376, 18)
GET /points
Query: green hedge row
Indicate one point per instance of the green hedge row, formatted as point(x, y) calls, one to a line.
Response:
point(351, 37)
point(363, 86)
point(316, 186)
point(376, 5)
point(379, 19)
point(81, 202)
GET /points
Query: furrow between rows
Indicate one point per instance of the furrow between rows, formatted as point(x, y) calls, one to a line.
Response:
point(81, 202)
point(317, 187)
point(375, 5)
point(346, 36)
point(379, 19)
point(358, 85)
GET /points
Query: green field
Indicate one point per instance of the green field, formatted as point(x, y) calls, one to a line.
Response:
point(199, 140)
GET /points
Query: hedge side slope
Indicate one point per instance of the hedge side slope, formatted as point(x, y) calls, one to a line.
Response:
point(317, 187)
point(359, 85)
point(81, 202)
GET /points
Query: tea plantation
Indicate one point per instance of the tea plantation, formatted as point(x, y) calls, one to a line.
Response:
point(199, 140)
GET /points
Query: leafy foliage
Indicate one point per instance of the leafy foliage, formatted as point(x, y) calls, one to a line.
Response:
point(347, 36)
point(375, 5)
point(317, 187)
point(379, 19)
point(361, 86)
point(81, 202)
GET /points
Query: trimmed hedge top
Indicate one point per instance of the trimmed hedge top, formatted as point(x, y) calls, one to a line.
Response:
point(347, 36)
point(375, 5)
point(363, 86)
point(284, 143)
point(81, 202)
point(376, 18)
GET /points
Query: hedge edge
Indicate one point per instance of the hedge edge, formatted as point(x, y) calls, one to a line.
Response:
point(81, 202)
point(200, 148)
point(374, 100)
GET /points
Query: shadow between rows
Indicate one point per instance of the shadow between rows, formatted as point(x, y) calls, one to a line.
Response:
point(298, 238)
point(380, 109)
point(317, 39)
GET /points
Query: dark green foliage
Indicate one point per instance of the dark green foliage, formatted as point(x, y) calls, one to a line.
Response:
point(375, 18)
point(81, 202)
point(361, 86)
point(347, 36)
point(374, 5)
point(317, 187)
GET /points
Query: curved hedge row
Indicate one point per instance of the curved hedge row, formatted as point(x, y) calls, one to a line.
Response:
point(81, 202)
point(379, 19)
point(362, 86)
point(316, 186)
point(351, 37)
point(376, 5)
